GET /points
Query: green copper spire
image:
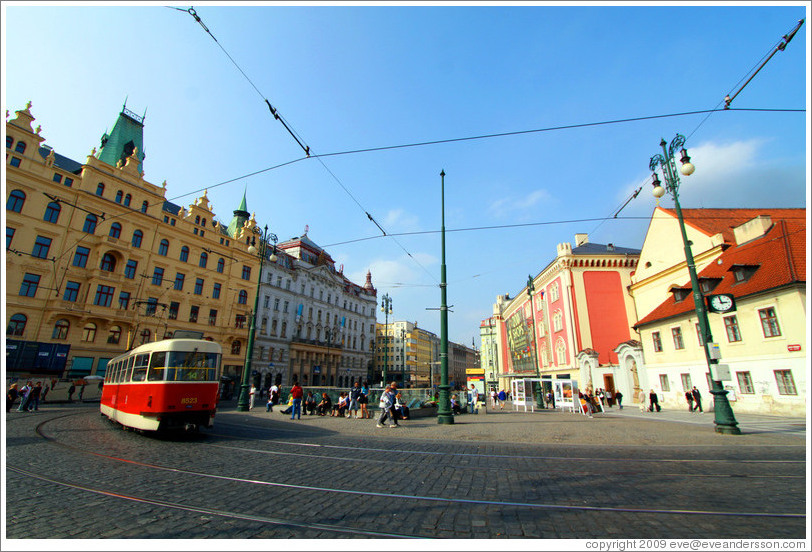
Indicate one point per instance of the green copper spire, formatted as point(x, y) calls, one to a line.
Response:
point(126, 136)
point(240, 216)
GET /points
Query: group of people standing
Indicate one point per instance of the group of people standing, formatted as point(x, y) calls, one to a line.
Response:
point(30, 395)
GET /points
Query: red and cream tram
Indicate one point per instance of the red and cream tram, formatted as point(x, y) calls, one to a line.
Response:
point(169, 384)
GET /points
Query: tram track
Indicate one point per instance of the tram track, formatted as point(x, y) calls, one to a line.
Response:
point(454, 501)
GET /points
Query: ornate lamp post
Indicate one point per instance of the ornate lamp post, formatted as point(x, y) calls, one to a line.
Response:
point(725, 421)
point(386, 307)
point(444, 415)
point(530, 289)
point(242, 402)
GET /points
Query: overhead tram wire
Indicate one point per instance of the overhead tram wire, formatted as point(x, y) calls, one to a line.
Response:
point(779, 46)
point(300, 141)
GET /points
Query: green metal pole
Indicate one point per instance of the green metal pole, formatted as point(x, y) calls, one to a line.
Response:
point(724, 419)
point(530, 289)
point(444, 415)
point(243, 402)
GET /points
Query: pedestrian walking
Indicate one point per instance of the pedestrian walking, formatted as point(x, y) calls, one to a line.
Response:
point(619, 399)
point(689, 398)
point(502, 398)
point(34, 396)
point(697, 398)
point(473, 397)
point(71, 391)
point(44, 393)
point(296, 393)
point(363, 401)
point(25, 391)
point(654, 402)
point(387, 406)
point(11, 396)
point(82, 391)
point(252, 393)
point(641, 398)
point(609, 399)
point(493, 398)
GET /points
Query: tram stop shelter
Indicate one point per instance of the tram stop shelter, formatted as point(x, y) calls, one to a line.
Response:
point(565, 393)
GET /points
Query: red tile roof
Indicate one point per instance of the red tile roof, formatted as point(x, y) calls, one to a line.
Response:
point(780, 255)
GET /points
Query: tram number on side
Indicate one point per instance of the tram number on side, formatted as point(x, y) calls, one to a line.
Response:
point(188, 401)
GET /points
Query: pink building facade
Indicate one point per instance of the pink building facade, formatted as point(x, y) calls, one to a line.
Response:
point(570, 326)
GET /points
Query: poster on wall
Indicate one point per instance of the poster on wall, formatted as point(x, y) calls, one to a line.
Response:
point(519, 343)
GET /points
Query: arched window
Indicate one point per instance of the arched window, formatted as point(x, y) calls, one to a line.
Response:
point(15, 202)
point(108, 263)
point(115, 230)
point(89, 332)
point(236, 346)
point(119, 196)
point(138, 237)
point(204, 221)
point(184, 254)
point(221, 265)
point(16, 325)
point(20, 147)
point(127, 199)
point(204, 259)
point(52, 212)
point(145, 336)
point(61, 329)
point(561, 353)
point(197, 219)
point(100, 189)
point(9, 141)
point(90, 224)
point(163, 248)
point(144, 207)
point(243, 299)
point(115, 335)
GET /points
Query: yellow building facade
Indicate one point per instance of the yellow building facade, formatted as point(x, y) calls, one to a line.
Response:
point(97, 260)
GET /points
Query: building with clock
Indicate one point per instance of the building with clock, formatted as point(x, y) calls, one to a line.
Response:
point(751, 267)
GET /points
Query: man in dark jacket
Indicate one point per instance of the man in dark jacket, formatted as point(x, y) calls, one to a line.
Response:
point(697, 398)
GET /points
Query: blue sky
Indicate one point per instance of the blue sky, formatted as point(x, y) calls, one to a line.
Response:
point(354, 77)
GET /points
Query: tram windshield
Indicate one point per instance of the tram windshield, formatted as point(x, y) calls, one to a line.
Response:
point(192, 366)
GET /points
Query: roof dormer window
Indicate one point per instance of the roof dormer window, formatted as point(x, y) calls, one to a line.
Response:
point(707, 285)
point(742, 273)
point(679, 293)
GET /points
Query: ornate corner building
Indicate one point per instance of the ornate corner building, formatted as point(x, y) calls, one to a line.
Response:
point(98, 261)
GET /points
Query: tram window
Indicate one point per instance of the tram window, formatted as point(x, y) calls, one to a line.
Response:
point(127, 375)
point(193, 366)
point(140, 367)
point(156, 366)
point(111, 372)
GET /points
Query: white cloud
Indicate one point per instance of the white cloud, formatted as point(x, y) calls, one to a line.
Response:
point(398, 220)
point(513, 205)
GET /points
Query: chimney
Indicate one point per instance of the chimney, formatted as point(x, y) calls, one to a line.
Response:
point(752, 229)
point(581, 239)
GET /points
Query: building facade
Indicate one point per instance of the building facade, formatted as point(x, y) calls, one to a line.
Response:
point(98, 261)
point(570, 322)
point(314, 324)
point(757, 257)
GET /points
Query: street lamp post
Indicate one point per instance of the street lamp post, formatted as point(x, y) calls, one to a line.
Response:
point(530, 289)
point(724, 419)
point(403, 354)
point(386, 307)
point(444, 415)
point(243, 402)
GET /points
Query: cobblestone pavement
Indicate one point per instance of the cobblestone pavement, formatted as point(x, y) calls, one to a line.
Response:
point(72, 474)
